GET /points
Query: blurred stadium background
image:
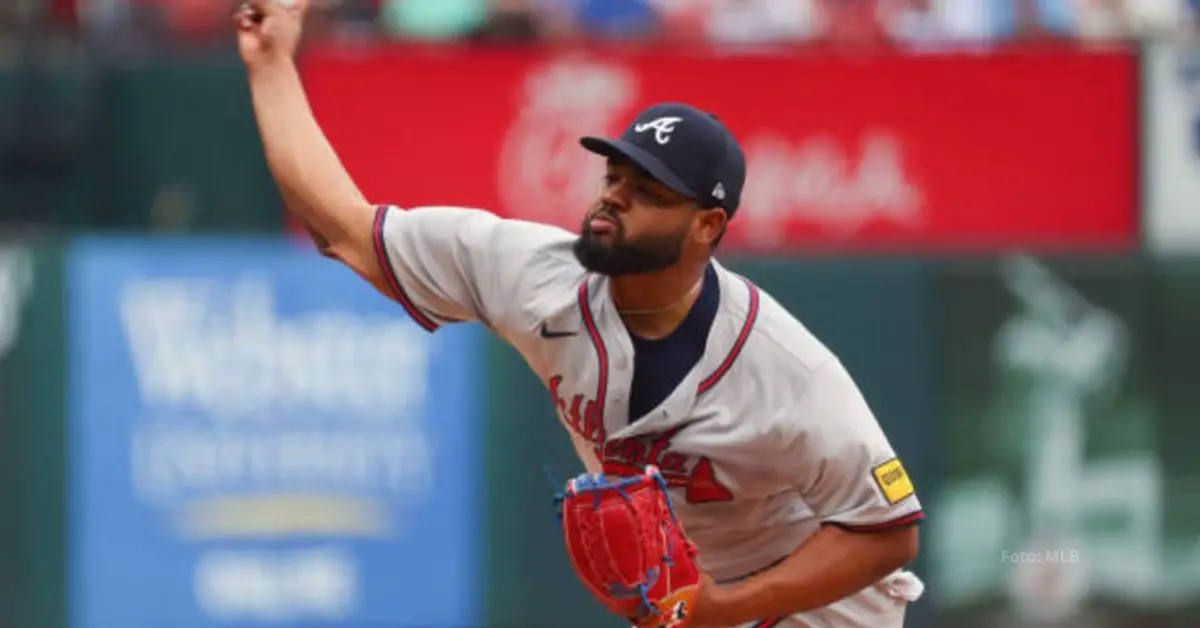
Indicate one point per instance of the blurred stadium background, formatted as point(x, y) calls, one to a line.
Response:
point(989, 208)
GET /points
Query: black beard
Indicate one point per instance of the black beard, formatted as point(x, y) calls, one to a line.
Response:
point(643, 255)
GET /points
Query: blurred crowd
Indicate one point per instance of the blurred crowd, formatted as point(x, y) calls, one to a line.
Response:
point(130, 23)
point(769, 21)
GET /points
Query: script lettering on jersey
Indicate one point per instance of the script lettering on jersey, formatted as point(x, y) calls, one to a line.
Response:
point(585, 416)
point(694, 474)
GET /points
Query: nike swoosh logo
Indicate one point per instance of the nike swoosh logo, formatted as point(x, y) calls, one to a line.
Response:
point(546, 333)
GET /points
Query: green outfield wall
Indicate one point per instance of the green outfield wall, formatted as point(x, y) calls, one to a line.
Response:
point(164, 145)
point(33, 372)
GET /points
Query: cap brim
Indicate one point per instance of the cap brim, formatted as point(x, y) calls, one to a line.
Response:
point(644, 160)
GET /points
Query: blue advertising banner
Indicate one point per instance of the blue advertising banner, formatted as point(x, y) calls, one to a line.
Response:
point(258, 438)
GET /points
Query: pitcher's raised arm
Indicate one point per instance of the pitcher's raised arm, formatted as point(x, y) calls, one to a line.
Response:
point(314, 184)
point(441, 264)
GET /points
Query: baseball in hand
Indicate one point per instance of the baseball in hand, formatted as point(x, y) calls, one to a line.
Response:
point(268, 30)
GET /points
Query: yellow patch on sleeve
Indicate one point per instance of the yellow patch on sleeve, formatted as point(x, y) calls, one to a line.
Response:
point(893, 480)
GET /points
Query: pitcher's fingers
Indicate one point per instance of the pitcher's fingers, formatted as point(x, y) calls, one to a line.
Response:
point(246, 18)
point(261, 7)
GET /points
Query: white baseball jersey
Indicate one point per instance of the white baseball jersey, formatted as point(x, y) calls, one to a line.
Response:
point(765, 439)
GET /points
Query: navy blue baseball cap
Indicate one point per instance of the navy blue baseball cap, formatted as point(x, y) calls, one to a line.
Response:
point(684, 148)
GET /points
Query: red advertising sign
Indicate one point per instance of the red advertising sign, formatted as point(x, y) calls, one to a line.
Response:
point(1033, 149)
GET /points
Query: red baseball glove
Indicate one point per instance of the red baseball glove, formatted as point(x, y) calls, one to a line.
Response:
point(628, 548)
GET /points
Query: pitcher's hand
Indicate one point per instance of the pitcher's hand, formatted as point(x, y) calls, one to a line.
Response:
point(269, 30)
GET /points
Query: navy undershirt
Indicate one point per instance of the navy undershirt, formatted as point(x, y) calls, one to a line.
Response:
point(660, 365)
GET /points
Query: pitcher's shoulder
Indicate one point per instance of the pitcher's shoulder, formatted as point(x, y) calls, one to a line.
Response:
point(548, 299)
point(776, 355)
point(537, 264)
point(782, 343)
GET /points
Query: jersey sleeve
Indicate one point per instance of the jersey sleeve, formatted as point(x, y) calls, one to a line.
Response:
point(450, 264)
point(845, 467)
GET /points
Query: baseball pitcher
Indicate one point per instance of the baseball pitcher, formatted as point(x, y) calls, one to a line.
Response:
point(736, 475)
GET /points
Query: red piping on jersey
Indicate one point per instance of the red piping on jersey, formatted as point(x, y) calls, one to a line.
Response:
point(389, 274)
point(768, 623)
point(751, 317)
point(585, 308)
point(902, 522)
